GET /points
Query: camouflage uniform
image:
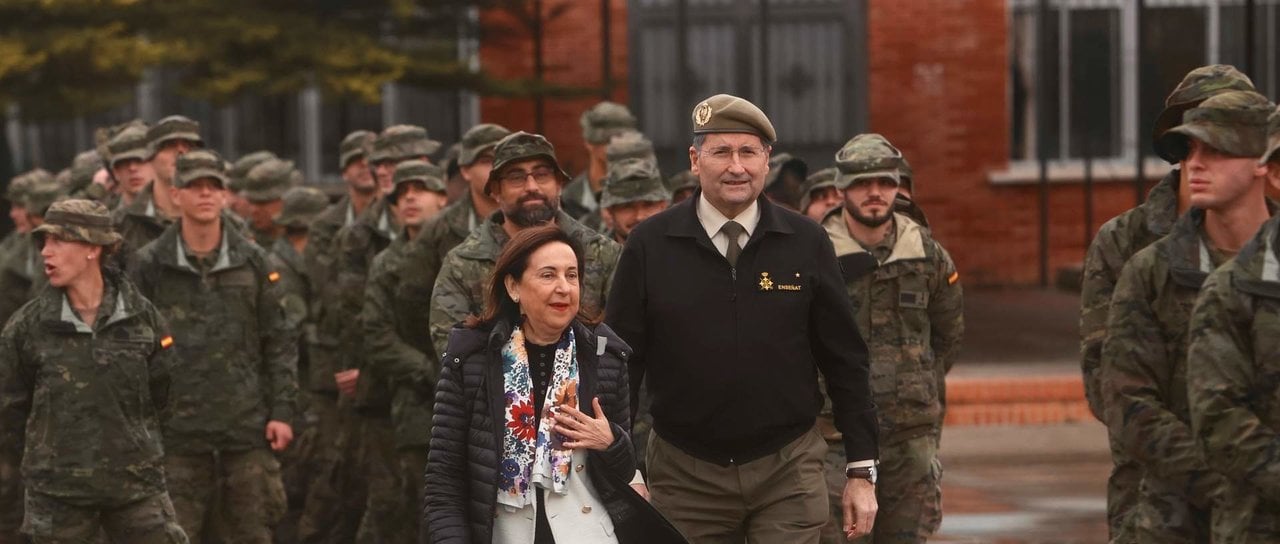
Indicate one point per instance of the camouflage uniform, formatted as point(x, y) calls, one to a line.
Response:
point(80, 176)
point(1232, 363)
point(301, 206)
point(240, 356)
point(816, 181)
point(267, 182)
point(22, 267)
point(1116, 241)
point(400, 356)
point(459, 288)
point(1144, 355)
point(907, 298)
point(88, 438)
point(599, 124)
point(335, 499)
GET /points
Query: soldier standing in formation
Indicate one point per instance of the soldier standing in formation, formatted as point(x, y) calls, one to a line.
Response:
point(394, 326)
point(581, 197)
point(1144, 355)
point(84, 376)
point(1117, 241)
point(233, 403)
point(1232, 361)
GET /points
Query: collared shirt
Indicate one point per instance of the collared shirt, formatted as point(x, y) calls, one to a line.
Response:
point(712, 220)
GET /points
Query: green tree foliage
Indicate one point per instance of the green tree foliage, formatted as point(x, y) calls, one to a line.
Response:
point(62, 58)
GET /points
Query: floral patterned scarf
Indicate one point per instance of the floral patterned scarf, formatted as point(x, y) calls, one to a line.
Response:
point(534, 455)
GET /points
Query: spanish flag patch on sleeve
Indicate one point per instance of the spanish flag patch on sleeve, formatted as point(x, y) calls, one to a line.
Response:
point(955, 277)
point(166, 342)
point(273, 277)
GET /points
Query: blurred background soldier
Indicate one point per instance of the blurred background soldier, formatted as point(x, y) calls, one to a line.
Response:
point(397, 362)
point(237, 178)
point(819, 194)
point(602, 122)
point(263, 190)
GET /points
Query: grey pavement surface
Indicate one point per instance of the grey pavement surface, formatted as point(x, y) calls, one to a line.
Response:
point(1022, 484)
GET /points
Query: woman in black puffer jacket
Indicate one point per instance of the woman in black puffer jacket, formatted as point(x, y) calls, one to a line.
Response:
point(531, 434)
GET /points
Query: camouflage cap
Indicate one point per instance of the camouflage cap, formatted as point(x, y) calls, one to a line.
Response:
point(634, 180)
point(728, 113)
point(401, 142)
point(83, 167)
point(431, 176)
point(238, 173)
point(522, 146)
point(604, 120)
point(352, 147)
point(44, 193)
point(1233, 122)
point(776, 162)
point(173, 127)
point(78, 220)
point(20, 186)
point(102, 137)
point(1273, 137)
point(129, 143)
point(816, 181)
point(681, 181)
point(301, 206)
point(867, 156)
point(630, 144)
point(269, 180)
point(200, 164)
point(478, 139)
point(1196, 87)
point(907, 175)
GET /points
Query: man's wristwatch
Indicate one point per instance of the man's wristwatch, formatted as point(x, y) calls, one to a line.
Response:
point(869, 474)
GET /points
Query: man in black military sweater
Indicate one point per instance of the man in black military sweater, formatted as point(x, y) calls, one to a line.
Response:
point(732, 305)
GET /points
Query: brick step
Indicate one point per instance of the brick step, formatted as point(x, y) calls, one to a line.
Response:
point(1039, 400)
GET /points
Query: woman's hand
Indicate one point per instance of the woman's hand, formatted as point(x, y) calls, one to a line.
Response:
point(583, 431)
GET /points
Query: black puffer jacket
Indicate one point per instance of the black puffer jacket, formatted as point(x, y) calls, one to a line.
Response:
point(462, 468)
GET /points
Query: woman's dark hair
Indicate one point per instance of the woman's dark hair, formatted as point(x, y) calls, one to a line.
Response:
point(512, 262)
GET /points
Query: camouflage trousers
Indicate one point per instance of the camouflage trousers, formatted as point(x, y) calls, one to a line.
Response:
point(390, 512)
point(11, 499)
point(148, 521)
point(231, 497)
point(908, 492)
point(1242, 517)
point(297, 468)
point(337, 492)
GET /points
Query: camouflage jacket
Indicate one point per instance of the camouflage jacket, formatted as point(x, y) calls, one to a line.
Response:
point(459, 289)
point(295, 299)
point(578, 200)
point(909, 306)
point(21, 273)
point(445, 232)
point(238, 352)
point(356, 247)
point(82, 404)
point(138, 223)
point(319, 258)
point(1144, 363)
point(1233, 379)
point(397, 350)
point(1117, 240)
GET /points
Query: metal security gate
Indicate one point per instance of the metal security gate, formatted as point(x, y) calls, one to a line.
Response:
point(806, 67)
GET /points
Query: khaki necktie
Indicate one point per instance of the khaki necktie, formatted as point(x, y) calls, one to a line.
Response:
point(733, 230)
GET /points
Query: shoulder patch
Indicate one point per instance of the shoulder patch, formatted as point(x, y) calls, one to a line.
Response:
point(273, 276)
point(955, 277)
point(166, 342)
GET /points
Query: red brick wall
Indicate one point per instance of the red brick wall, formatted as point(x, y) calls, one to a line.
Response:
point(572, 57)
point(939, 90)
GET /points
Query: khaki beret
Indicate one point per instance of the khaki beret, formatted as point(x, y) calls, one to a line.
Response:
point(728, 113)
